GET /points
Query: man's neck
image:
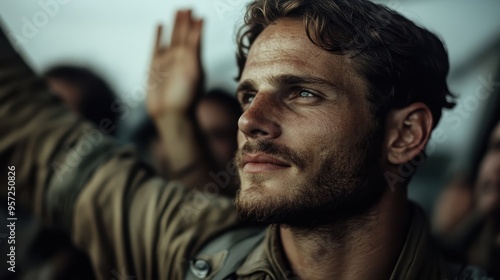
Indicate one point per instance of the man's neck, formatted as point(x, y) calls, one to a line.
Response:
point(364, 248)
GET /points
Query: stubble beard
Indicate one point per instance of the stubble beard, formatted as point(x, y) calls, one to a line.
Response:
point(346, 186)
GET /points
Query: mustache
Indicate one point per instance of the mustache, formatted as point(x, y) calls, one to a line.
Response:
point(273, 149)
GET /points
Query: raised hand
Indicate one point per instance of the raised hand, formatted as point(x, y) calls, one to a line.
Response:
point(175, 79)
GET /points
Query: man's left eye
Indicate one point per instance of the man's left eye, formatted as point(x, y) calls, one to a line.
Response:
point(305, 96)
point(305, 93)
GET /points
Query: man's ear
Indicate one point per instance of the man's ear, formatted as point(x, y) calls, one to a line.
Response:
point(407, 131)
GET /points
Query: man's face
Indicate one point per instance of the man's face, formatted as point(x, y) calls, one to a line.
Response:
point(307, 145)
point(488, 183)
point(68, 92)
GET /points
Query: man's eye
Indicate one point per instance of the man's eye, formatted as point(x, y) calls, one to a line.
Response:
point(305, 93)
point(305, 96)
point(247, 98)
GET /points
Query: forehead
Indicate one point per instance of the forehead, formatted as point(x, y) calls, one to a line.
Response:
point(284, 47)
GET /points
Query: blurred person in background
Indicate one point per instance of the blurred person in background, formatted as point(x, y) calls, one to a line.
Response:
point(197, 131)
point(217, 114)
point(148, 143)
point(467, 219)
point(216, 117)
point(85, 93)
point(49, 254)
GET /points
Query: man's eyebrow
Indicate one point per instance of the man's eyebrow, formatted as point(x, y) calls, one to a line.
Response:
point(294, 79)
point(246, 85)
point(280, 80)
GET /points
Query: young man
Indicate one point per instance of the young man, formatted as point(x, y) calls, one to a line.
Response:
point(337, 95)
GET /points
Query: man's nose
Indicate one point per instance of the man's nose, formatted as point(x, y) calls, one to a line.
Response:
point(260, 120)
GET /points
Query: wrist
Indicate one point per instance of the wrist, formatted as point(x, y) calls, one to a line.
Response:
point(173, 112)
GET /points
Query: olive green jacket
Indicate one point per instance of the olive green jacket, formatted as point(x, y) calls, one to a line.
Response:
point(132, 224)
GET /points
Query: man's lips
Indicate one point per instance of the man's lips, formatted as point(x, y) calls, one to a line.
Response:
point(258, 163)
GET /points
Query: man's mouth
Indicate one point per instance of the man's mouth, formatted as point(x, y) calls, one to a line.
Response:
point(261, 163)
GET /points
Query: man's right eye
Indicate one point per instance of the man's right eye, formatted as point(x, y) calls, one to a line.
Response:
point(246, 98)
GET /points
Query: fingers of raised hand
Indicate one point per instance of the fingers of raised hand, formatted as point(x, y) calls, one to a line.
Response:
point(187, 30)
point(157, 44)
point(194, 37)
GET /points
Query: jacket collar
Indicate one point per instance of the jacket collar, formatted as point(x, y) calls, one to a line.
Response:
point(418, 259)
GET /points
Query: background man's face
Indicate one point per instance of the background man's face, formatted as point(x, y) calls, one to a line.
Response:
point(217, 123)
point(306, 135)
point(488, 183)
point(68, 92)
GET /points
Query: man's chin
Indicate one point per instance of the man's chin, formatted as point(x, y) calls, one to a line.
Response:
point(267, 184)
point(254, 204)
point(249, 192)
point(250, 208)
point(279, 205)
point(268, 204)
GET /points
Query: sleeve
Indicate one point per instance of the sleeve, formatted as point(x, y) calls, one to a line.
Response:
point(132, 224)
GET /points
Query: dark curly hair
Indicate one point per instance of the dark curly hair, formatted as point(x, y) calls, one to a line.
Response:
point(402, 62)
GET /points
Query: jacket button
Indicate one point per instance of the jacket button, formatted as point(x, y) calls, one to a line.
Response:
point(200, 268)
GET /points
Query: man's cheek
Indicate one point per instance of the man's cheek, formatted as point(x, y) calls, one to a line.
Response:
point(240, 138)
